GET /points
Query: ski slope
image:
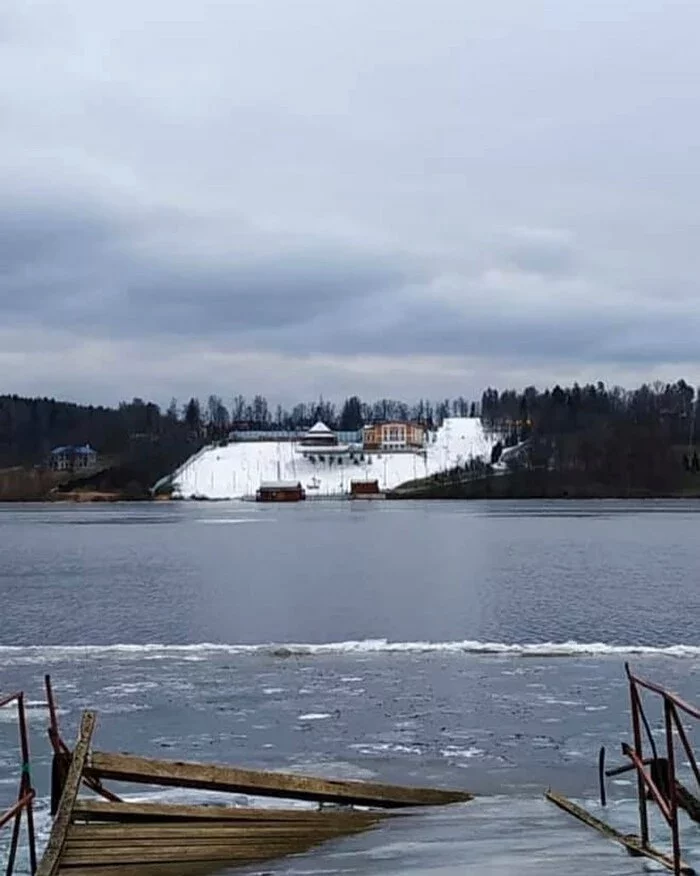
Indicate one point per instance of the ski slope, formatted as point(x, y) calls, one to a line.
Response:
point(237, 470)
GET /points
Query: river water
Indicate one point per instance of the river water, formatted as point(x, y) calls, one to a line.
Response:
point(475, 645)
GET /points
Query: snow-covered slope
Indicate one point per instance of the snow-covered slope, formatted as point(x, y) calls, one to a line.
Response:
point(238, 470)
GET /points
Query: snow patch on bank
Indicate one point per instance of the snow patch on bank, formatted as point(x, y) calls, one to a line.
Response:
point(238, 469)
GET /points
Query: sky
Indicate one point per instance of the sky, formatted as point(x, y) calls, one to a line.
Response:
point(324, 197)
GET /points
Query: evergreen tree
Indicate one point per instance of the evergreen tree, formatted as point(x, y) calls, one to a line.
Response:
point(351, 415)
point(193, 416)
point(172, 412)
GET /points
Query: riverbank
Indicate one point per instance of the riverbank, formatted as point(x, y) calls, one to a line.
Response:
point(540, 484)
point(113, 483)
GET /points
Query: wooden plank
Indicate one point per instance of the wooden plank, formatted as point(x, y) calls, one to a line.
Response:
point(97, 810)
point(192, 868)
point(108, 831)
point(133, 837)
point(128, 768)
point(632, 843)
point(157, 854)
point(51, 859)
point(234, 844)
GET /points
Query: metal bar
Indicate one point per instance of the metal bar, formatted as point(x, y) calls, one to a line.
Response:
point(626, 768)
point(26, 780)
point(687, 746)
point(60, 747)
point(9, 699)
point(54, 735)
point(636, 730)
point(17, 807)
point(647, 728)
point(13, 844)
point(601, 775)
point(669, 711)
point(656, 688)
point(649, 783)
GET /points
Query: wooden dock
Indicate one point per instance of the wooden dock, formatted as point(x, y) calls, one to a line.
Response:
point(92, 837)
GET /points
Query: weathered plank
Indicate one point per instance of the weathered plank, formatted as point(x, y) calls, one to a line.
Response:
point(124, 854)
point(97, 811)
point(133, 834)
point(128, 768)
point(50, 862)
point(192, 868)
point(632, 843)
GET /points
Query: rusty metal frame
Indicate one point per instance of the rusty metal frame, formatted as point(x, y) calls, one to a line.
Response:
point(664, 793)
point(25, 794)
point(61, 751)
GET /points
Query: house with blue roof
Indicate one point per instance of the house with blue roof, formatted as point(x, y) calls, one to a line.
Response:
point(73, 458)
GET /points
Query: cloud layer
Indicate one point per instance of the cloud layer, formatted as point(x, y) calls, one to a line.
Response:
point(327, 198)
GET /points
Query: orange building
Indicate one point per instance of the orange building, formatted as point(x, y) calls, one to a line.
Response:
point(394, 435)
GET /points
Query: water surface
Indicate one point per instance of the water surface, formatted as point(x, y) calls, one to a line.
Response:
point(411, 642)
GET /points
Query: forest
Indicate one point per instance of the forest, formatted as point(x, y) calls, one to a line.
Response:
point(613, 440)
point(31, 427)
point(593, 440)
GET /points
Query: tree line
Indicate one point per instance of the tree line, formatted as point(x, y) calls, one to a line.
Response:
point(142, 434)
point(215, 419)
point(623, 440)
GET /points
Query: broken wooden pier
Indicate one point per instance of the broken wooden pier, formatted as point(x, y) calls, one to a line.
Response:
point(101, 834)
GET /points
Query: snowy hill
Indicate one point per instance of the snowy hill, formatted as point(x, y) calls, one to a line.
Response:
point(238, 469)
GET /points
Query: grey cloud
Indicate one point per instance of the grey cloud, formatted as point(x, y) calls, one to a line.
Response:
point(76, 269)
point(540, 252)
point(510, 185)
point(67, 269)
point(52, 238)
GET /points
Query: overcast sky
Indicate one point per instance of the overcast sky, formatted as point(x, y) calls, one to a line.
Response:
point(388, 197)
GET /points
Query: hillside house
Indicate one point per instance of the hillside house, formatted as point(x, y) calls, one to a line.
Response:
point(72, 458)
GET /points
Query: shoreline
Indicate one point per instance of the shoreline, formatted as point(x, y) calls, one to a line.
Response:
point(437, 496)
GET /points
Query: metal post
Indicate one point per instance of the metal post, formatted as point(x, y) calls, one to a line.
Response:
point(13, 844)
point(688, 748)
point(672, 796)
point(641, 790)
point(54, 735)
point(26, 781)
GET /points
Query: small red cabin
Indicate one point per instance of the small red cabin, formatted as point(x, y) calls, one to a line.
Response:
point(280, 491)
point(360, 489)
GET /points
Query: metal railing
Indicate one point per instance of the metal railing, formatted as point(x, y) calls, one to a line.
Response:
point(62, 756)
point(656, 775)
point(25, 794)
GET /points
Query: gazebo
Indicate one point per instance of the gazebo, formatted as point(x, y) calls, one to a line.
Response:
point(319, 435)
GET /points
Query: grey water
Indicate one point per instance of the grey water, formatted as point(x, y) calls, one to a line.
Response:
point(478, 645)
